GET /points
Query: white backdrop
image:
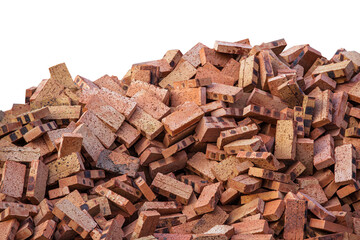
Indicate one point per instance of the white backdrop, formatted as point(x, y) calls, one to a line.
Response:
point(106, 37)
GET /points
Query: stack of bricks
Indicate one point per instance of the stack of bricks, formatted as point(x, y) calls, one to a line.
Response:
point(231, 142)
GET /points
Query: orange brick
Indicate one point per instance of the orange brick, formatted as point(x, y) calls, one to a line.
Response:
point(45, 230)
point(324, 152)
point(38, 131)
point(217, 59)
point(145, 189)
point(249, 209)
point(196, 95)
point(223, 92)
point(209, 220)
point(168, 165)
point(285, 140)
point(136, 86)
point(146, 224)
point(214, 153)
point(244, 184)
point(177, 147)
point(231, 135)
point(261, 159)
point(9, 229)
point(36, 186)
point(183, 71)
point(151, 104)
point(201, 166)
point(208, 199)
point(295, 219)
point(127, 134)
point(273, 210)
point(184, 116)
point(262, 98)
point(193, 56)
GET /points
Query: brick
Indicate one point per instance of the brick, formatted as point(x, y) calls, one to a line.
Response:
point(275, 82)
point(26, 229)
point(213, 57)
point(228, 112)
point(214, 153)
point(9, 229)
point(228, 196)
point(324, 152)
point(251, 227)
point(13, 179)
point(90, 144)
point(340, 72)
point(45, 230)
point(38, 131)
point(262, 98)
point(122, 188)
point(151, 104)
point(230, 167)
point(305, 154)
point(177, 147)
point(183, 71)
point(168, 165)
point(266, 69)
point(69, 143)
point(201, 166)
point(328, 226)
point(209, 128)
point(323, 109)
point(197, 183)
point(150, 155)
point(231, 135)
point(263, 114)
point(232, 48)
point(11, 213)
point(64, 167)
point(268, 174)
point(196, 95)
point(308, 108)
point(249, 209)
point(285, 140)
point(136, 86)
point(273, 210)
point(118, 162)
point(163, 208)
point(265, 196)
point(58, 192)
point(295, 170)
point(223, 92)
point(244, 183)
point(279, 186)
point(9, 127)
point(345, 169)
point(21, 131)
point(193, 56)
point(316, 208)
point(208, 199)
point(36, 186)
point(145, 224)
point(264, 160)
point(251, 145)
point(171, 188)
point(209, 220)
point(249, 73)
point(63, 112)
point(76, 182)
point(145, 189)
point(295, 219)
point(185, 116)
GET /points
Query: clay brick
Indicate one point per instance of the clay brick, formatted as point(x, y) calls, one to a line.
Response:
point(21, 131)
point(196, 95)
point(145, 224)
point(212, 106)
point(228, 196)
point(162, 207)
point(295, 219)
point(217, 59)
point(323, 109)
point(63, 112)
point(184, 116)
point(261, 159)
point(295, 170)
point(273, 210)
point(76, 182)
point(171, 188)
point(340, 72)
point(32, 116)
point(122, 188)
point(230, 167)
point(316, 208)
point(90, 145)
point(249, 73)
point(84, 83)
point(244, 183)
point(64, 167)
point(33, 209)
point(150, 155)
point(9, 127)
point(279, 186)
point(228, 112)
point(183, 71)
point(266, 69)
point(249, 209)
point(38, 131)
point(209, 128)
point(269, 175)
point(285, 140)
point(251, 145)
point(168, 165)
point(223, 92)
point(13, 179)
point(324, 152)
point(265, 196)
point(193, 56)
point(69, 143)
point(9, 229)
point(201, 166)
point(263, 114)
point(275, 82)
point(198, 183)
point(145, 189)
point(214, 153)
point(309, 108)
point(264, 99)
point(36, 186)
point(231, 135)
point(209, 220)
point(118, 162)
point(232, 48)
point(177, 147)
point(345, 169)
point(11, 213)
point(45, 230)
point(127, 134)
point(26, 229)
point(136, 86)
point(58, 192)
point(328, 226)
point(152, 105)
point(306, 57)
point(208, 199)
point(251, 227)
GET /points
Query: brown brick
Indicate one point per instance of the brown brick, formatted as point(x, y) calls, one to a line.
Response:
point(265, 196)
point(249, 73)
point(231, 135)
point(171, 188)
point(168, 165)
point(209, 220)
point(345, 169)
point(251, 145)
point(36, 186)
point(244, 183)
point(328, 226)
point(273, 210)
point(261, 159)
point(9, 229)
point(230, 167)
point(251, 208)
point(183, 71)
point(316, 208)
point(208, 199)
point(201, 166)
point(285, 140)
point(295, 219)
point(136, 86)
point(324, 152)
point(223, 92)
point(146, 224)
point(268, 174)
point(13, 179)
point(214, 153)
point(145, 189)
point(262, 98)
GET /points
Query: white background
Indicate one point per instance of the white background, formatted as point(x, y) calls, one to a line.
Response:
point(106, 37)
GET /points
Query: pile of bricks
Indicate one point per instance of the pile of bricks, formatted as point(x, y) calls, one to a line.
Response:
point(231, 142)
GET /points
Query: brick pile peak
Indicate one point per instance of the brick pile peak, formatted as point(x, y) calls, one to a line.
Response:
point(238, 142)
